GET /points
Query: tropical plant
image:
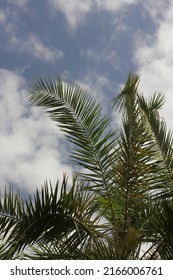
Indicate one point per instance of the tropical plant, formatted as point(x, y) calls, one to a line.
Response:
point(119, 205)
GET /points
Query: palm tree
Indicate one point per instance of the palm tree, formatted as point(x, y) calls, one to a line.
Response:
point(119, 205)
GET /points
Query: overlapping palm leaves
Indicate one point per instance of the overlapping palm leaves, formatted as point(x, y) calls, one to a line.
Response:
point(51, 216)
point(122, 189)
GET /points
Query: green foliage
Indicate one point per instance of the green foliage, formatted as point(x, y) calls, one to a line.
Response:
point(122, 198)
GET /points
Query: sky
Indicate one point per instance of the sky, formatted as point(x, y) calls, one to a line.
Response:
point(92, 42)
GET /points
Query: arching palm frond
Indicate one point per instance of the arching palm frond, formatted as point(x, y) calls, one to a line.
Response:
point(79, 117)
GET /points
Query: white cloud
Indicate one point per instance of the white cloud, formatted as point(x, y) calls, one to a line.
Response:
point(155, 9)
point(2, 16)
point(76, 11)
point(35, 47)
point(31, 43)
point(154, 58)
point(105, 55)
point(31, 146)
point(113, 6)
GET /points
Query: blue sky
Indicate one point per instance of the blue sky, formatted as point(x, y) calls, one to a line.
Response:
point(93, 42)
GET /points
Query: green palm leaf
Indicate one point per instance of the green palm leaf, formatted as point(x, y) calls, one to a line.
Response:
point(79, 117)
point(53, 214)
point(163, 139)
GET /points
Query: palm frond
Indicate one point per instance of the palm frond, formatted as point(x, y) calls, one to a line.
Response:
point(79, 117)
point(163, 138)
point(52, 214)
point(162, 225)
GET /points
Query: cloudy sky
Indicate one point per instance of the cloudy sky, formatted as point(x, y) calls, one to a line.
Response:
point(93, 42)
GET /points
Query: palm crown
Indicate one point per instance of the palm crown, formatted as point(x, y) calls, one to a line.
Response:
point(119, 205)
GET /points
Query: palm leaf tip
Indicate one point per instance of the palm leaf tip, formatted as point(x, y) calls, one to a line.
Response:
point(130, 88)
